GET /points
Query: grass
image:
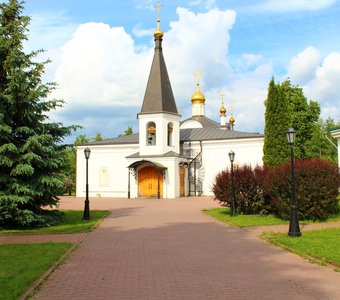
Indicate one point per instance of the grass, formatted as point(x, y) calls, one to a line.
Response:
point(223, 214)
point(320, 246)
point(71, 222)
point(22, 264)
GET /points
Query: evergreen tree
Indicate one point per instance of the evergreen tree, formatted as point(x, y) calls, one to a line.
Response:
point(286, 106)
point(303, 118)
point(275, 148)
point(31, 154)
point(322, 144)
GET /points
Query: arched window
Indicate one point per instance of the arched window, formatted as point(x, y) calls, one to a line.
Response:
point(103, 177)
point(170, 130)
point(151, 134)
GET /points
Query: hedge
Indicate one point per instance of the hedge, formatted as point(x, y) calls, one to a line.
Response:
point(267, 190)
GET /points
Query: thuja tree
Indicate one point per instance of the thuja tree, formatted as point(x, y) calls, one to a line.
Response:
point(286, 106)
point(31, 155)
point(304, 116)
point(275, 148)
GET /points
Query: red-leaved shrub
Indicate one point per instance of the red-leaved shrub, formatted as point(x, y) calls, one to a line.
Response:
point(265, 190)
point(316, 184)
point(248, 189)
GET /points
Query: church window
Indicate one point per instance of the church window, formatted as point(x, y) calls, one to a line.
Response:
point(151, 134)
point(170, 130)
point(103, 177)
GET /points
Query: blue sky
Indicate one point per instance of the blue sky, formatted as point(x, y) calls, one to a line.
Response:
point(101, 55)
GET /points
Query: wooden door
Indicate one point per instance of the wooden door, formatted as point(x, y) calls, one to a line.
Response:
point(181, 181)
point(148, 178)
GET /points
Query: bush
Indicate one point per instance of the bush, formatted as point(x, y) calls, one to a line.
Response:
point(248, 189)
point(12, 215)
point(316, 184)
point(266, 190)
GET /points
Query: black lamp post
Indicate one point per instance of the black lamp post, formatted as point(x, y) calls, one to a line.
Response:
point(86, 215)
point(294, 227)
point(233, 200)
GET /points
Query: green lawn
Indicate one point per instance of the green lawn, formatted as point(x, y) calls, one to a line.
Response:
point(321, 246)
point(71, 222)
point(223, 214)
point(22, 264)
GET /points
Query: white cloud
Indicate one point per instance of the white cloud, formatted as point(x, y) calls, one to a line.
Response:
point(325, 87)
point(99, 67)
point(295, 5)
point(198, 41)
point(319, 78)
point(302, 67)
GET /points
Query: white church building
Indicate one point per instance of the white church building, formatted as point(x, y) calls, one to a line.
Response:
point(168, 158)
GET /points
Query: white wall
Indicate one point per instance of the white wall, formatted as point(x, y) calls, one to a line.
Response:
point(113, 158)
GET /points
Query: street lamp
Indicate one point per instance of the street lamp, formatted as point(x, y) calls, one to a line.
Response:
point(233, 200)
point(294, 227)
point(86, 215)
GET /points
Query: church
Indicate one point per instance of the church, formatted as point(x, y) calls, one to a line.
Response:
point(168, 157)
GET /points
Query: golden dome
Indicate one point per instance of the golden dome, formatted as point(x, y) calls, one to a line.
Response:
point(158, 33)
point(198, 97)
point(232, 120)
point(223, 110)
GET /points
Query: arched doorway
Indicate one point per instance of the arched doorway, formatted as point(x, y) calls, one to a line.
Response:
point(150, 182)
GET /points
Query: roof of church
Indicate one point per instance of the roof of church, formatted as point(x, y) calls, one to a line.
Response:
point(210, 133)
point(205, 122)
point(158, 95)
point(186, 135)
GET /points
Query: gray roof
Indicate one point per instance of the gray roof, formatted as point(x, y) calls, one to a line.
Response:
point(210, 134)
point(158, 95)
point(205, 122)
point(186, 135)
point(122, 140)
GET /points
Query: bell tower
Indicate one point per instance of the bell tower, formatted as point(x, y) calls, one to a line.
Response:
point(159, 119)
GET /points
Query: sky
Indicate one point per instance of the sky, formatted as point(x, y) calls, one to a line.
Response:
point(101, 53)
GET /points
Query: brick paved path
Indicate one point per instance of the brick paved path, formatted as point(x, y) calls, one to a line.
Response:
point(167, 249)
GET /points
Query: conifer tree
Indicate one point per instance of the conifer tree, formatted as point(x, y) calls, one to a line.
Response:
point(304, 116)
point(287, 106)
point(31, 154)
point(275, 148)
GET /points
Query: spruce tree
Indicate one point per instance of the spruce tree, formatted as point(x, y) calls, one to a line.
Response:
point(31, 151)
point(275, 147)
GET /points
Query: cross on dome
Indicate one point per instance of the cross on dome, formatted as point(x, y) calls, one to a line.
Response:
point(158, 33)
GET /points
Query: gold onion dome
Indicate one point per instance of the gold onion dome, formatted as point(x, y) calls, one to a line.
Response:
point(223, 110)
point(158, 33)
point(231, 120)
point(198, 97)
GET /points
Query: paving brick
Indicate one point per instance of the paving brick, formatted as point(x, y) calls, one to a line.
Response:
point(167, 249)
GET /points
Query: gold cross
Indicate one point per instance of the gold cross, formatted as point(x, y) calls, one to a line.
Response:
point(158, 6)
point(198, 76)
point(222, 96)
point(232, 108)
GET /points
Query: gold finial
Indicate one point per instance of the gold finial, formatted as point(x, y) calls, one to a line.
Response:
point(198, 97)
point(158, 33)
point(223, 109)
point(232, 119)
